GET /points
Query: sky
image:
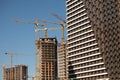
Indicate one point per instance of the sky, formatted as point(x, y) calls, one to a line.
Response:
point(19, 38)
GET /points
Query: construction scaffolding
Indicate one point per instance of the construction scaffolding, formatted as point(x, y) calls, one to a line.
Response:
point(47, 59)
point(46, 50)
point(62, 61)
point(19, 72)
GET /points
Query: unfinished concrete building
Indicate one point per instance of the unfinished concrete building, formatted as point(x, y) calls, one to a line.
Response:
point(62, 61)
point(19, 72)
point(47, 59)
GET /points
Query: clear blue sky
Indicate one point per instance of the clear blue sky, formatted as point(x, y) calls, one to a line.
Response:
point(19, 38)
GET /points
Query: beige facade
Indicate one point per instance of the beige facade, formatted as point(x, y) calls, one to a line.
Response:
point(62, 61)
point(19, 72)
point(47, 59)
point(93, 39)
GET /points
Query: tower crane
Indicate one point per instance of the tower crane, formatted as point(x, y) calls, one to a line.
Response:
point(11, 56)
point(63, 24)
point(58, 17)
point(46, 29)
point(11, 59)
point(36, 29)
point(35, 23)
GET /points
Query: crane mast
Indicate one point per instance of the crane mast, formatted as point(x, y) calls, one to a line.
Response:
point(63, 24)
point(38, 58)
point(37, 43)
point(46, 31)
point(11, 57)
point(11, 61)
point(35, 23)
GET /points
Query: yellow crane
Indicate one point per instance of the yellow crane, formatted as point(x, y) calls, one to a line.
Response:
point(37, 38)
point(46, 31)
point(63, 24)
point(35, 23)
point(11, 56)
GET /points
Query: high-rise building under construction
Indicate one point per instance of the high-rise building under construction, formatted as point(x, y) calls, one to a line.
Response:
point(47, 59)
point(62, 61)
point(93, 39)
point(19, 72)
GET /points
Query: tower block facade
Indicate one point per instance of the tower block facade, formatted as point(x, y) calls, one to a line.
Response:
point(62, 61)
point(93, 39)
